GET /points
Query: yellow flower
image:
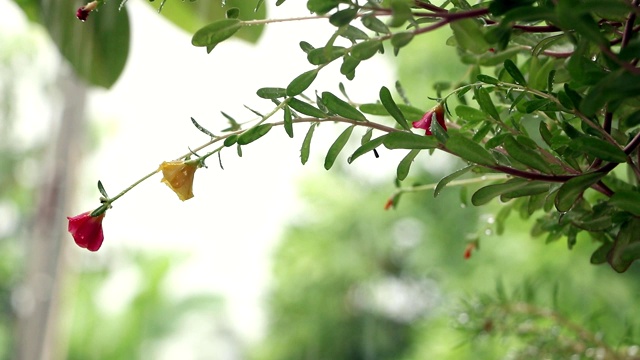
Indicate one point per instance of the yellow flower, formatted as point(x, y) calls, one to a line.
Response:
point(178, 175)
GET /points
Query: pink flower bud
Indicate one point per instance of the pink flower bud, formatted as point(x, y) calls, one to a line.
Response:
point(87, 230)
point(425, 122)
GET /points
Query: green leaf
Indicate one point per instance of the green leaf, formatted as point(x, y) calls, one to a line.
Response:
point(325, 55)
point(402, 39)
point(193, 15)
point(600, 255)
point(571, 190)
point(618, 85)
point(254, 134)
point(626, 248)
point(233, 13)
point(343, 17)
point(486, 104)
point(470, 114)
point(301, 82)
point(366, 147)
point(627, 201)
point(337, 147)
point(349, 65)
point(101, 189)
point(515, 73)
point(410, 113)
point(531, 188)
point(306, 144)
point(598, 148)
point(405, 165)
point(353, 33)
point(400, 13)
point(367, 136)
point(372, 23)
point(366, 49)
point(341, 107)
point(469, 150)
point(288, 121)
point(447, 179)
point(321, 7)
point(485, 194)
point(407, 140)
point(391, 107)
point(231, 140)
point(271, 93)
point(469, 36)
point(525, 155)
point(487, 79)
point(233, 124)
point(216, 32)
point(306, 108)
point(97, 50)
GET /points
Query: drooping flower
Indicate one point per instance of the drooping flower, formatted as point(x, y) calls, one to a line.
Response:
point(83, 12)
point(87, 230)
point(425, 122)
point(178, 175)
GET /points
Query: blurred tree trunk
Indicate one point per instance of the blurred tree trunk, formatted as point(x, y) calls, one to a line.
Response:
point(39, 323)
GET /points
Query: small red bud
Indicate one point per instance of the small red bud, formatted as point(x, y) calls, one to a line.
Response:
point(389, 204)
point(469, 250)
point(83, 12)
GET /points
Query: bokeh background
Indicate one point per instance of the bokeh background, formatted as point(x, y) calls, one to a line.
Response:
point(270, 259)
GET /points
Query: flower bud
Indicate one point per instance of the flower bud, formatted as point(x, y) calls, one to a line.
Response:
point(178, 175)
point(425, 122)
point(83, 12)
point(87, 230)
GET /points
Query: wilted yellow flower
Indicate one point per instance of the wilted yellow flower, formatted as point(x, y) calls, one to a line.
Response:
point(178, 175)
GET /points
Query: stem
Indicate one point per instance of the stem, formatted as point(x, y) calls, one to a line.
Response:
point(111, 200)
point(273, 21)
point(454, 183)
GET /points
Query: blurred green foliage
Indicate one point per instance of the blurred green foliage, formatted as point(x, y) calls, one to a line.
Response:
point(352, 281)
point(146, 312)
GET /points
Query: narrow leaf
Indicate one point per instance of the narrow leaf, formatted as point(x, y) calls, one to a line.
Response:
point(301, 82)
point(288, 121)
point(366, 147)
point(405, 164)
point(271, 93)
point(447, 179)
point(599, 148)
point(366, 49)
point(216, 32)
point(254, 134)
point(306, 144)
point(469, 150)
point(570, 191)
point(525, 155)
point(341, 107)
point(392, 108)
point(485, 194)
point(337, 147)
point(627, 201)
point(486, 104)
point(407, 140)
point(515, 73)
point(306, 108)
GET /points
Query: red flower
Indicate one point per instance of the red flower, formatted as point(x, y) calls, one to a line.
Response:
point(425, 122)
point(83, 12)
point(87, 230)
